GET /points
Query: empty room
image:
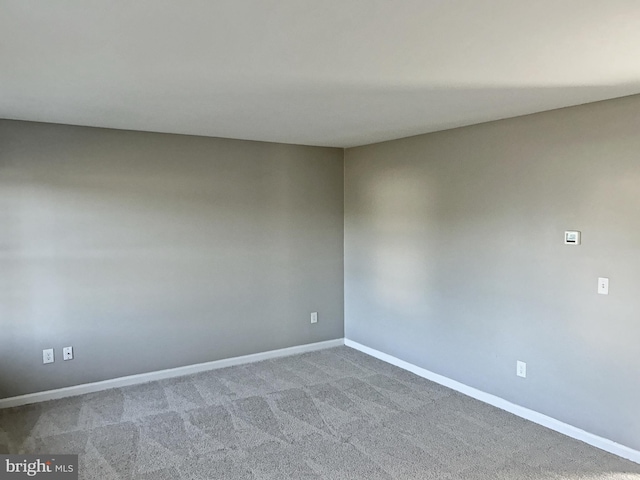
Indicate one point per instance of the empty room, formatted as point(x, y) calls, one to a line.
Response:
point(278, 239)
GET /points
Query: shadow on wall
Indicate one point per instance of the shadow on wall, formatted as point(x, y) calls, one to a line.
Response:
point(403, 274)
point(79, 242)
point(155, 251)
point(455, 261)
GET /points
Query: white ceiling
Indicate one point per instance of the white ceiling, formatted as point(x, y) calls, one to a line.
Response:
point(322, 72)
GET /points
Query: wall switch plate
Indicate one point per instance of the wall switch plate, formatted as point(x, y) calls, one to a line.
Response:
point(67, 353)
point(572, 237)
point(521, 369)
point(603, 286)
point(314, 317)
point(47, 356)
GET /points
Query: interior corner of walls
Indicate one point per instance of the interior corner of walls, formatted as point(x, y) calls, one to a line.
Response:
point(466, 228)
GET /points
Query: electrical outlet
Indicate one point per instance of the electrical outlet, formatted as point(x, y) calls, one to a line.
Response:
point(314, 317)
point(603, 286)
point(47, 356)
point(521, 369)
point(67, 353)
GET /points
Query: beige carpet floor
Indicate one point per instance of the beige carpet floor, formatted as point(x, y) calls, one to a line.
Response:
point(331, 414)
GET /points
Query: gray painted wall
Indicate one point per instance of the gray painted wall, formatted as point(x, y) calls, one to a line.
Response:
point(150, 251)
point(455, 262)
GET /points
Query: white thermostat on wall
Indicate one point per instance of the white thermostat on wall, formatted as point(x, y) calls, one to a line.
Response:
point(571, 237)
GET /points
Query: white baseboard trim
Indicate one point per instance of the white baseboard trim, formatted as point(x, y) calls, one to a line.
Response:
point(544, 420)
point(163, 374)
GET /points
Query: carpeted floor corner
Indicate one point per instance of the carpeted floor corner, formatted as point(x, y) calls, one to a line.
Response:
point(331, 414)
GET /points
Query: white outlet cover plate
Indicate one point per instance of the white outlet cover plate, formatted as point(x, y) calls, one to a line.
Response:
point(67, 353)
point(603, 286)
point(521, 369)
point(314, 317)
point(47, 356)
